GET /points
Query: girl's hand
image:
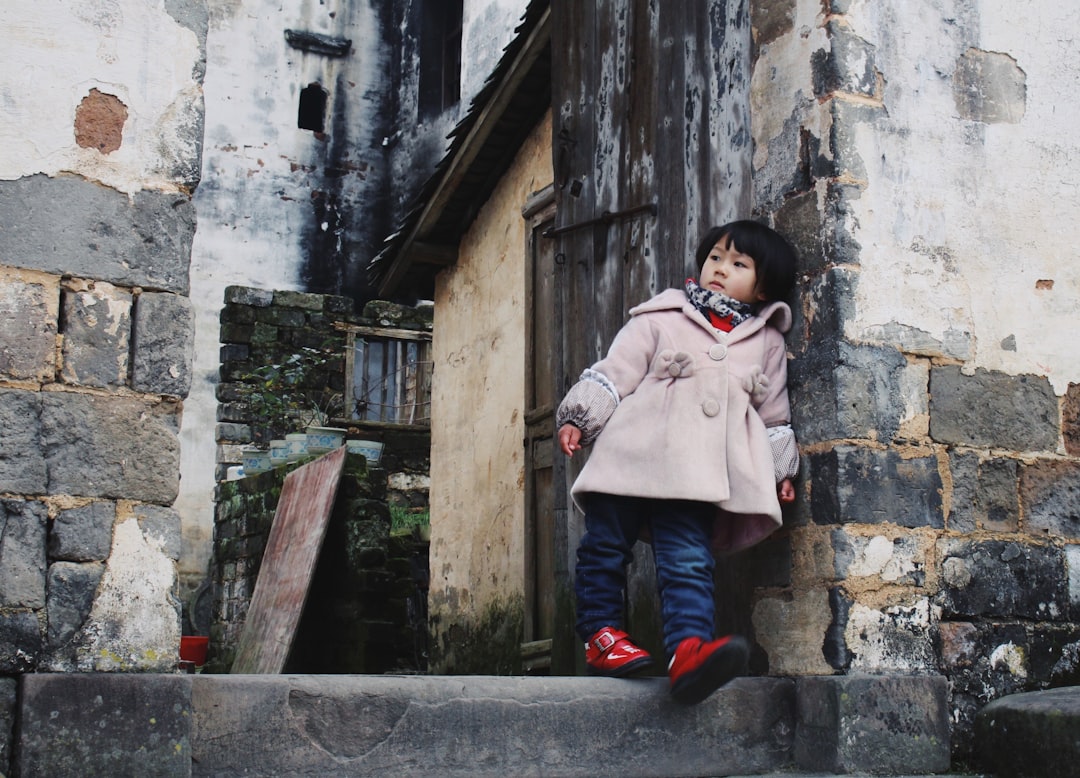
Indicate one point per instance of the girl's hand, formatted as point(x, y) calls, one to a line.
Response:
point(785, 490)
point(569, 439)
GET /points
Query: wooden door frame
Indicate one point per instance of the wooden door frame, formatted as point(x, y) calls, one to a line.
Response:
point(536, 649)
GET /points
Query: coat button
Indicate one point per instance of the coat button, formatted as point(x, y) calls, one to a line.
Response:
point(710, 407)
point(674, 370)
point(717, 351)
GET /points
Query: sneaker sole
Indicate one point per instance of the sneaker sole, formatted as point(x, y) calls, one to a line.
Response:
point(623, 670)
point(727, 663)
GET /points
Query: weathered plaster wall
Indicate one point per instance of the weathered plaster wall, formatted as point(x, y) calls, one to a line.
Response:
point(972, 177)
point(477, 457)
point(923, 160)
point(285, 208)
point(53, 125)
point(280, 207)
point(487, 27)
point(101, 143)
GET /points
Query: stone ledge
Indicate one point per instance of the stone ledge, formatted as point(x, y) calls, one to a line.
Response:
point(1031, 734)
point(352, 725)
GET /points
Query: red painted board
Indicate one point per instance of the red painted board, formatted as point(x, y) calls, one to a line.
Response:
point(292, 550)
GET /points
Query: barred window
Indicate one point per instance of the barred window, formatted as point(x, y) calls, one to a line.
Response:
point(388, 375)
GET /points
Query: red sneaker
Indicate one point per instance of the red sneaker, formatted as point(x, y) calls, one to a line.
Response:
point(609, 652)
point(698, 668)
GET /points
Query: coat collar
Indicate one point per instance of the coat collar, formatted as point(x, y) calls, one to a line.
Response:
point(776, 314)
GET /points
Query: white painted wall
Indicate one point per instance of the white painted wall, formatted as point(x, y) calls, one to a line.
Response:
point(487, 27)
point(968, 228)
point(55, 52)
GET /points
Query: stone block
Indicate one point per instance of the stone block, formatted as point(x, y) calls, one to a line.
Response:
point(993, 410)
point(388, 314)
point(97, 336)
point(874, 486)
point(22, 461)
point(234, 352)
point(237, 314)
point(281, 317)
point(161, 528)
point(105, 724)
point(20, 641)
point(1072, 561)
point(888, 725)
point(22, 553)
point(1030, 734)
point(1054, 655)
point(246, 295)
point(896, 560)
point(83, 534)
point(984, 493)
point(1070, 420)
point(8, 717)
point(304, 300)
point(989, 87)
point(237, 333)
point(72, 587)
point(799, 220)
point(1050, 495)
point(419, 726)
point(1002, 579)
point(791, 630)
point(846, 391)
point(163, 344)
point(114, 447)
point(845, 157)
point(30, 310)
point(71, 226)
point(896, 638)
point(231, 432)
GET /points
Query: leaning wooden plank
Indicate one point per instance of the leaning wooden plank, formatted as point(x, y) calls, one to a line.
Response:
point(292, 550)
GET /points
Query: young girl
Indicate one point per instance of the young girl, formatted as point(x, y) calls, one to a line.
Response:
point(689, 420)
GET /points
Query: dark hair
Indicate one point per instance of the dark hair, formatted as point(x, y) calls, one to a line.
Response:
point(774, 258)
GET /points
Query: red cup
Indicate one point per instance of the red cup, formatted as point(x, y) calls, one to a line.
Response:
point(193, 648)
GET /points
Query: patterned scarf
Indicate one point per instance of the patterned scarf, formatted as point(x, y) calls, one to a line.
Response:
point(718, 303)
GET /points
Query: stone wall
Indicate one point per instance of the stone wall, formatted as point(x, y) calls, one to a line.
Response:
point(933, 382)
point(364, 606)
point(96, 181)
point(93, 377)
point(367, 604)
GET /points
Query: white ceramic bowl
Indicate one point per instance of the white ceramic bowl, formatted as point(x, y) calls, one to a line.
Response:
point(371, 449)
point(323, 439)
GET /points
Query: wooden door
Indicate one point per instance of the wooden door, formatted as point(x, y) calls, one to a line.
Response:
point(651, 146)
point(545, 534)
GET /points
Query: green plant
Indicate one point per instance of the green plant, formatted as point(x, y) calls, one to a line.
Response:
point(402, 518)
point(293, 394)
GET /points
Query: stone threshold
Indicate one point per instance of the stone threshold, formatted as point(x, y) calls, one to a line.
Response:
point(78, 724)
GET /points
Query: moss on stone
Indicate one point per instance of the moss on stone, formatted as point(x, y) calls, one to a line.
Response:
point(489, 646)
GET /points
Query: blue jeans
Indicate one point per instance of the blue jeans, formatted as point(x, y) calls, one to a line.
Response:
point(681, 532)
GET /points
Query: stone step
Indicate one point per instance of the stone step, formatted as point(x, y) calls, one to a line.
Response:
point(348, 725)
point(1032, 734)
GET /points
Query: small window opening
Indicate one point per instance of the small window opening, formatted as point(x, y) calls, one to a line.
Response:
point(440, 56)
point(312, 114)
point(388, 375)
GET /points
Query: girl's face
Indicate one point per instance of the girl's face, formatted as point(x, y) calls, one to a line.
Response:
point(730, 272)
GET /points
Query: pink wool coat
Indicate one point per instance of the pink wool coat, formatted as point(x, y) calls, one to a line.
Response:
point(692, 416)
